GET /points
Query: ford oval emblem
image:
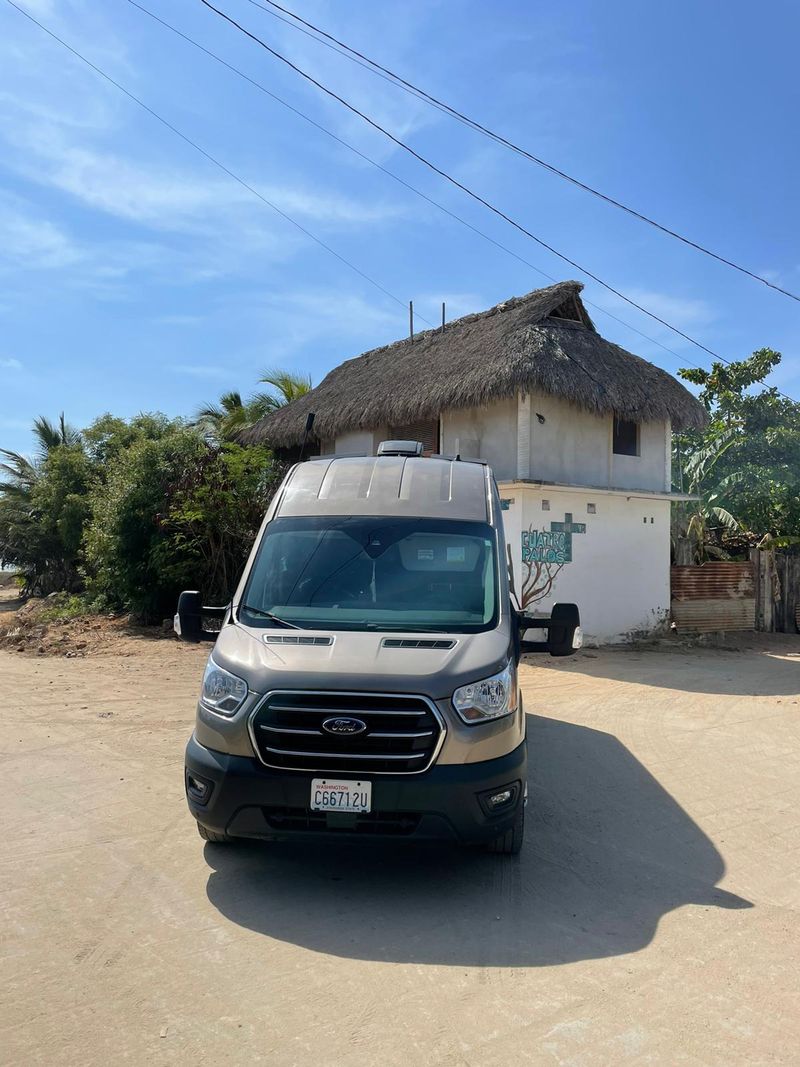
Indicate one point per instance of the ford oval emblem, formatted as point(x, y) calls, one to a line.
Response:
point(344, 725)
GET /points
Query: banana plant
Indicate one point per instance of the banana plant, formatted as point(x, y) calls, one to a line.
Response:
point(696, 518)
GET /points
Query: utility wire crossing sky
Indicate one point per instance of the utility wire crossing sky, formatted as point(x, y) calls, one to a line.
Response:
point(408, 86)
point(80, 183)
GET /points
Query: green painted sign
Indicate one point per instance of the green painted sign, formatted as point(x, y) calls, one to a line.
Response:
point(553, 545)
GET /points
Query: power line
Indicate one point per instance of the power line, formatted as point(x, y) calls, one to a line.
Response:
point(395, 177)
point(454, 181)
point(459, 185)
point(374, 67)
point(303, 229)
point(411, 188)
point(213, 159)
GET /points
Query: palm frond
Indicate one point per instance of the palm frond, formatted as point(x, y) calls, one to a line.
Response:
point(50, 435)
point(725, 517)
point(231, 401)
point(289, 386)
point(210, 413)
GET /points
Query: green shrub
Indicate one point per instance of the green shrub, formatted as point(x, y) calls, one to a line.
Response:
point(175, 513)
point(64, 606)
point(132, 562)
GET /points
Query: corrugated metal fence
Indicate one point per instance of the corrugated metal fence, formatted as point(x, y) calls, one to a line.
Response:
point(762, 594)
point(714, 596)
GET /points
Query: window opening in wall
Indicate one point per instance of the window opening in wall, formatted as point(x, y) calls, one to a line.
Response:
point(426, 431)
point(545, 505)
point(626, 437)
point(591, 509)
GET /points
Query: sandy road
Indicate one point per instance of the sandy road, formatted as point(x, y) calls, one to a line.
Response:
point(653, 917)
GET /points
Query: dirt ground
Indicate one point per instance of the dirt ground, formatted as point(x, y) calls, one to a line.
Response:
point(29, 627)
point(652, 918)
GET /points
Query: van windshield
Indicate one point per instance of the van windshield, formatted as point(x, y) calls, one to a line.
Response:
point(364, 573)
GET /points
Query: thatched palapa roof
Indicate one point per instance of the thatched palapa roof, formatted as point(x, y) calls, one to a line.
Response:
point(544, 342)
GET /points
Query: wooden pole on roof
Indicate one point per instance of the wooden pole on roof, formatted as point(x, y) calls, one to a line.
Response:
point(411, 319)
point(443, 316)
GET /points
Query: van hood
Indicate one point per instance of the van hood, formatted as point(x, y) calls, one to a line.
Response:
point(431, 664)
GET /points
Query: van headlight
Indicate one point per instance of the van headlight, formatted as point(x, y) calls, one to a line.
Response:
point(222, 691)
point(490, 698)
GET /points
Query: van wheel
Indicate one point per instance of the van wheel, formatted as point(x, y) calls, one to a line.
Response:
point(510, 841)
point(212, 835)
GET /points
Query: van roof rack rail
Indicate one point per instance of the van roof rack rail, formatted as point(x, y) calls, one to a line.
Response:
point(458, 458)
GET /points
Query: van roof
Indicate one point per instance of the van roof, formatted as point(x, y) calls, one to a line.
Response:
point(432, 487)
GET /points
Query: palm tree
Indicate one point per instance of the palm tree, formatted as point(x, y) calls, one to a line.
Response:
point(225, 420)
point(287, 386)
point(23, 471)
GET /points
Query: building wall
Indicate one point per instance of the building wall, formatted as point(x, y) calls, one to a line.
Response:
point(488, 433)
point(571, 445)
point(618, 574)
point(357, 442)
point(567, 444)
point(650, 469)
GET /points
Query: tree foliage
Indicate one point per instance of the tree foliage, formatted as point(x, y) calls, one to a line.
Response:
point(131, 511)
point(43, 507)
point(131, 562)
point(175, 513)
point(225, 420)
point(746, 464)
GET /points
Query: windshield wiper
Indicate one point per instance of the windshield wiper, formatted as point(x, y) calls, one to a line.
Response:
point(270, 615)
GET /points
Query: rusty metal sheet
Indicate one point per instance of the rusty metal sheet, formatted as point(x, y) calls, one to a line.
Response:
point(706, 616)
point(713, 581)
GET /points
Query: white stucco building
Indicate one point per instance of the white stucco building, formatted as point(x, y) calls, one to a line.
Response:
point(576, 429)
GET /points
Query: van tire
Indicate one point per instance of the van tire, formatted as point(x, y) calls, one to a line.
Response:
point(212, 835)
point(510, 841)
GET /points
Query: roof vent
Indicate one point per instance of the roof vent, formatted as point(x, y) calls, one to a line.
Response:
point(296, 639)
point(400, 448)
point(405, 642)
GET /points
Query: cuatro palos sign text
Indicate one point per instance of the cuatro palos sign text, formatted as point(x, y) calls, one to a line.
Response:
point(553, 545)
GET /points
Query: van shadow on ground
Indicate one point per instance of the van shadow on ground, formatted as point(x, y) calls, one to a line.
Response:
point(609, 853)
point(752, 664)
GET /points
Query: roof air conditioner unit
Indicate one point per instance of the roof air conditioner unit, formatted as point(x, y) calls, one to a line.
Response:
point(400, 448)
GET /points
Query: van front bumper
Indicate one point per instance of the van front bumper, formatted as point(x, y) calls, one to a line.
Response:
point(450, 802)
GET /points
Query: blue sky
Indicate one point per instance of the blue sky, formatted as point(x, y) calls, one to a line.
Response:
point(135, 276)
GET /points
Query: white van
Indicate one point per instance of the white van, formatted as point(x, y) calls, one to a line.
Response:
point(363, 682)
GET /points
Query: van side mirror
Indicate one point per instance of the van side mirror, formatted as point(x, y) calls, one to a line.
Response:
point(188, 623)
point(564, 636)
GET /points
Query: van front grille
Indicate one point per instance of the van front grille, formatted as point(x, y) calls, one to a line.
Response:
point(401, 734)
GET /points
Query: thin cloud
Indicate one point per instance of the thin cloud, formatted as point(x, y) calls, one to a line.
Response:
point(199, 370)
point(398, 112)
point(297, 319)
point(30, 242)
point(170, 198)
point(687, 313)
point(10, 364)
point(179, 320)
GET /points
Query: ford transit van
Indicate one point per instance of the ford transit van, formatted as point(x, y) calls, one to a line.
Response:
point(363, 679)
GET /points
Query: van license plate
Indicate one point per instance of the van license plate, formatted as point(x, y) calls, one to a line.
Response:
point(336, 795)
